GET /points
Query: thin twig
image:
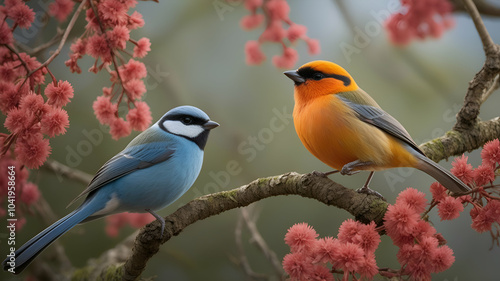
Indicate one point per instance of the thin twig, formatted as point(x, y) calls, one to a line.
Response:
point(261, 243)
point(40, 48)
point(62, 170)
point(242, 260)
point(488, 43)
point(493, 88)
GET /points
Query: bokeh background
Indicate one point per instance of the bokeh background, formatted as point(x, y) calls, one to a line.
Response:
point(198, 58)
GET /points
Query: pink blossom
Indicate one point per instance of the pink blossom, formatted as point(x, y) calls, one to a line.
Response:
point(72, 63)
point(313, 46)
point(18, 120)
point(400, 219)
point(98, 47)
point(462, 170)
point(278, 9)
point(119, 128)
point(367, 237)
point(32, 103)
point(368, 268)
point(423, 229)
point(287, 60)
point(348, 229)
point(296, 31)
point(32, 151)
point(491, 152)
point(438, 191)
point(253, 53)
point(135, 88)
point(350, 257)
point(422, 18)
point(449, 208)
point(442, 259)
point(114, 223)
point(481, 222)
point(139, 117)
point(135, 21)
point(413, 198)
point(274, 32)
point(300, 237)
point(133, 70)
point(484, 174)
point(30, 193)
point(321, 273)
point(9, 96)
point(249, 22)
point(59, 95)
point(54, 122)
point(492, 210)
point(104, 109)
point(22, 15)
point(60, 9)
point(118, 37)
point(79, 46)
point(113, 12)
point(5, 34)
point(325, 250)
point(251, 5)
point(7, 72)
point(298, 266)
point(142, 48)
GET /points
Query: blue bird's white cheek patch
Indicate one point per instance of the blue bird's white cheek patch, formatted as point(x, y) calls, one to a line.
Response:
point(177, 128)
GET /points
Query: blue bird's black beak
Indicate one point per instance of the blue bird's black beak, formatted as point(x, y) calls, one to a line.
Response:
point(295, 76)
point(209, 125)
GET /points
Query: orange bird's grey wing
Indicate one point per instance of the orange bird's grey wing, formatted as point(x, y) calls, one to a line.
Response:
point(377, 117)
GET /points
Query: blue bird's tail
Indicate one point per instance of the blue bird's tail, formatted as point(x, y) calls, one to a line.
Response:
point(26, 253)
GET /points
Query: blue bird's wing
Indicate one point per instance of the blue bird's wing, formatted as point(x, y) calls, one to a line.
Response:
point(377, 117)
point(129, 160)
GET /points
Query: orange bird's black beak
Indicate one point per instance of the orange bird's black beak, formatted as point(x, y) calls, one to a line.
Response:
point(292, 74)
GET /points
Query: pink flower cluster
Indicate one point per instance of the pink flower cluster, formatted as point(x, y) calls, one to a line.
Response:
point(420, 19)
point(351, 253)
point(485, 201)
point(30, 118)
point(24, 193)
point(106, 37)
point(276, 14)
point(420, 249)
point(136, 220)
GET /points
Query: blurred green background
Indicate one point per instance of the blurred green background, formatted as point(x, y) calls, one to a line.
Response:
point(198, 58)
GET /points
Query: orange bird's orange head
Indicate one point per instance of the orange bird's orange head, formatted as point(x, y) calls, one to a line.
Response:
point(318, 78)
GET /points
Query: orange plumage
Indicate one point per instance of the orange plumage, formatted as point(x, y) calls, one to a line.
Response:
point(344, 127)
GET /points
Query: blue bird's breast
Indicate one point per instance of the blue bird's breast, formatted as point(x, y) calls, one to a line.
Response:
point(157, 186)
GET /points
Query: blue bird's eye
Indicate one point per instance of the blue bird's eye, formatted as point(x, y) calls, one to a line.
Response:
point(186, 120)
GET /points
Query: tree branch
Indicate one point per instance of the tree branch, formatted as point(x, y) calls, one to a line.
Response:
point(62, 170)
point(483, 7)
point(467, 117)
point(364, 207)
point(457, 142)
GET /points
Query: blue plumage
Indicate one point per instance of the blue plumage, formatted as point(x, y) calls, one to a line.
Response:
point(154, 170)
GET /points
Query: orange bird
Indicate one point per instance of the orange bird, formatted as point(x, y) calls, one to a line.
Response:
point(344, 127)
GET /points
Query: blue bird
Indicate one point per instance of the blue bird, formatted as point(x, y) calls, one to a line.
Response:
point(155, 169)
